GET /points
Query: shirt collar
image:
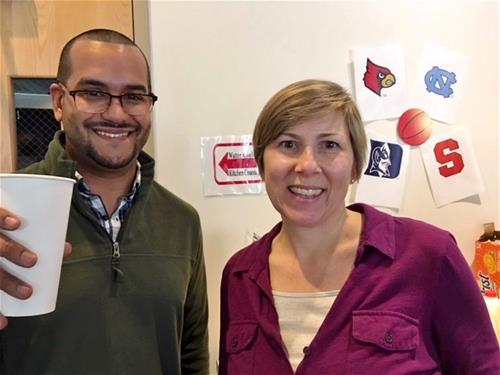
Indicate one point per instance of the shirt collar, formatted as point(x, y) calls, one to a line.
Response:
point(83, 187)
point(378, 233)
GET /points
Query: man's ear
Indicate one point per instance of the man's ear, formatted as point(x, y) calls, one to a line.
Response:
point(57, 97)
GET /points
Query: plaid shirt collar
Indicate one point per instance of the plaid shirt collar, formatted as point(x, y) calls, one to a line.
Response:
point(112, 223)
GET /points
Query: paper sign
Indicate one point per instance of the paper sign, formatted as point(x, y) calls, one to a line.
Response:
point(384, 175)
point(380, 82)
point(451, 166)
point(440, 81)
point(229, 167)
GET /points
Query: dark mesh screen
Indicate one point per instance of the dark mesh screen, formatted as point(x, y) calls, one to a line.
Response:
point(35, 128)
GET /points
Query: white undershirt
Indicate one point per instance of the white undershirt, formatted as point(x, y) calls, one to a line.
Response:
point(300, 316)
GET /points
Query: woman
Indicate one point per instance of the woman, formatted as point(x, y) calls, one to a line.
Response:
point(343, 290)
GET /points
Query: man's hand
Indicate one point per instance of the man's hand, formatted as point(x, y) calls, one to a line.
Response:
point(18, 254)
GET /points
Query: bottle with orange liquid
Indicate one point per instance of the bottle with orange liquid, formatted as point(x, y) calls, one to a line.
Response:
point(486, 265)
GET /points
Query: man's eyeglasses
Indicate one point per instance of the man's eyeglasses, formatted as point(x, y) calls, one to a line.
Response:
point(96, 101)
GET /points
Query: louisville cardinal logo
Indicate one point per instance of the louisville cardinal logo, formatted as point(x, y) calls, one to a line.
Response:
point(377, 77)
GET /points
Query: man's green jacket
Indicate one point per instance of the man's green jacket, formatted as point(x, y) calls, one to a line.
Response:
point(142, 312)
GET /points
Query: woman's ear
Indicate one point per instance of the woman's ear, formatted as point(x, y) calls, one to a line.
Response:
point(57, 96)
point(354, 174)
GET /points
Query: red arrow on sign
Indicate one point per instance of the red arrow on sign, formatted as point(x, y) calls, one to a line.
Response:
point(244, 163)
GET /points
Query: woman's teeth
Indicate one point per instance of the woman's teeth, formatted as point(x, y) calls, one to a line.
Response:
point(305, 192)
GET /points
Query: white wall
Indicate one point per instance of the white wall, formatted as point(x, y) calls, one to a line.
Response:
point(216, 64)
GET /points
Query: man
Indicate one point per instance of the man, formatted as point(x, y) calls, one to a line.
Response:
point(132, 296)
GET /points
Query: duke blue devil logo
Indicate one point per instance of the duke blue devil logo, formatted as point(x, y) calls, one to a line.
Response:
point(385, 159)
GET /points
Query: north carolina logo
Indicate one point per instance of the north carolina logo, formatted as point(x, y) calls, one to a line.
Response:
point(385, 159)
point(377, 77)
point(439, 81)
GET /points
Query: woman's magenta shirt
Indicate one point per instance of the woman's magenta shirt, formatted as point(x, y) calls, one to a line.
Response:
point(410, 306)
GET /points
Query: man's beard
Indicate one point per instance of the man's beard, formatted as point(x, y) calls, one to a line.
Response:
point(107, 162)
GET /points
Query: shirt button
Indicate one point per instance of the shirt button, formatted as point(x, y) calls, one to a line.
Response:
point(388, 338)
point(234, 342)
point(306, 350)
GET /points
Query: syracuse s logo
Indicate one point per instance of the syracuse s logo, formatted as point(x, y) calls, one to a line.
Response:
point(446, 154)
point(377, 77)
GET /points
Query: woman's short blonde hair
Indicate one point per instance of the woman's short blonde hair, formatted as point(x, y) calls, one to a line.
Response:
point(304, 100)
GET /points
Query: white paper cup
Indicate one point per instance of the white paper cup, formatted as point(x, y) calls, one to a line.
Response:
point(42, 203)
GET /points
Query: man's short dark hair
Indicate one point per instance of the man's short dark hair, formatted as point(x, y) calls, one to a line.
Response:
point(101, 35)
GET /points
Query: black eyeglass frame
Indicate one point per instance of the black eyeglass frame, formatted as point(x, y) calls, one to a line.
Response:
point(73, 93)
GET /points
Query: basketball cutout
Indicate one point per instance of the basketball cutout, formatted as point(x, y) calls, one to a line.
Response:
point(414, 127)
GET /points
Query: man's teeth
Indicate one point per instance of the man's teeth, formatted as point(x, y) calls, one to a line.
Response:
point(111, 135)
point(306, 192)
